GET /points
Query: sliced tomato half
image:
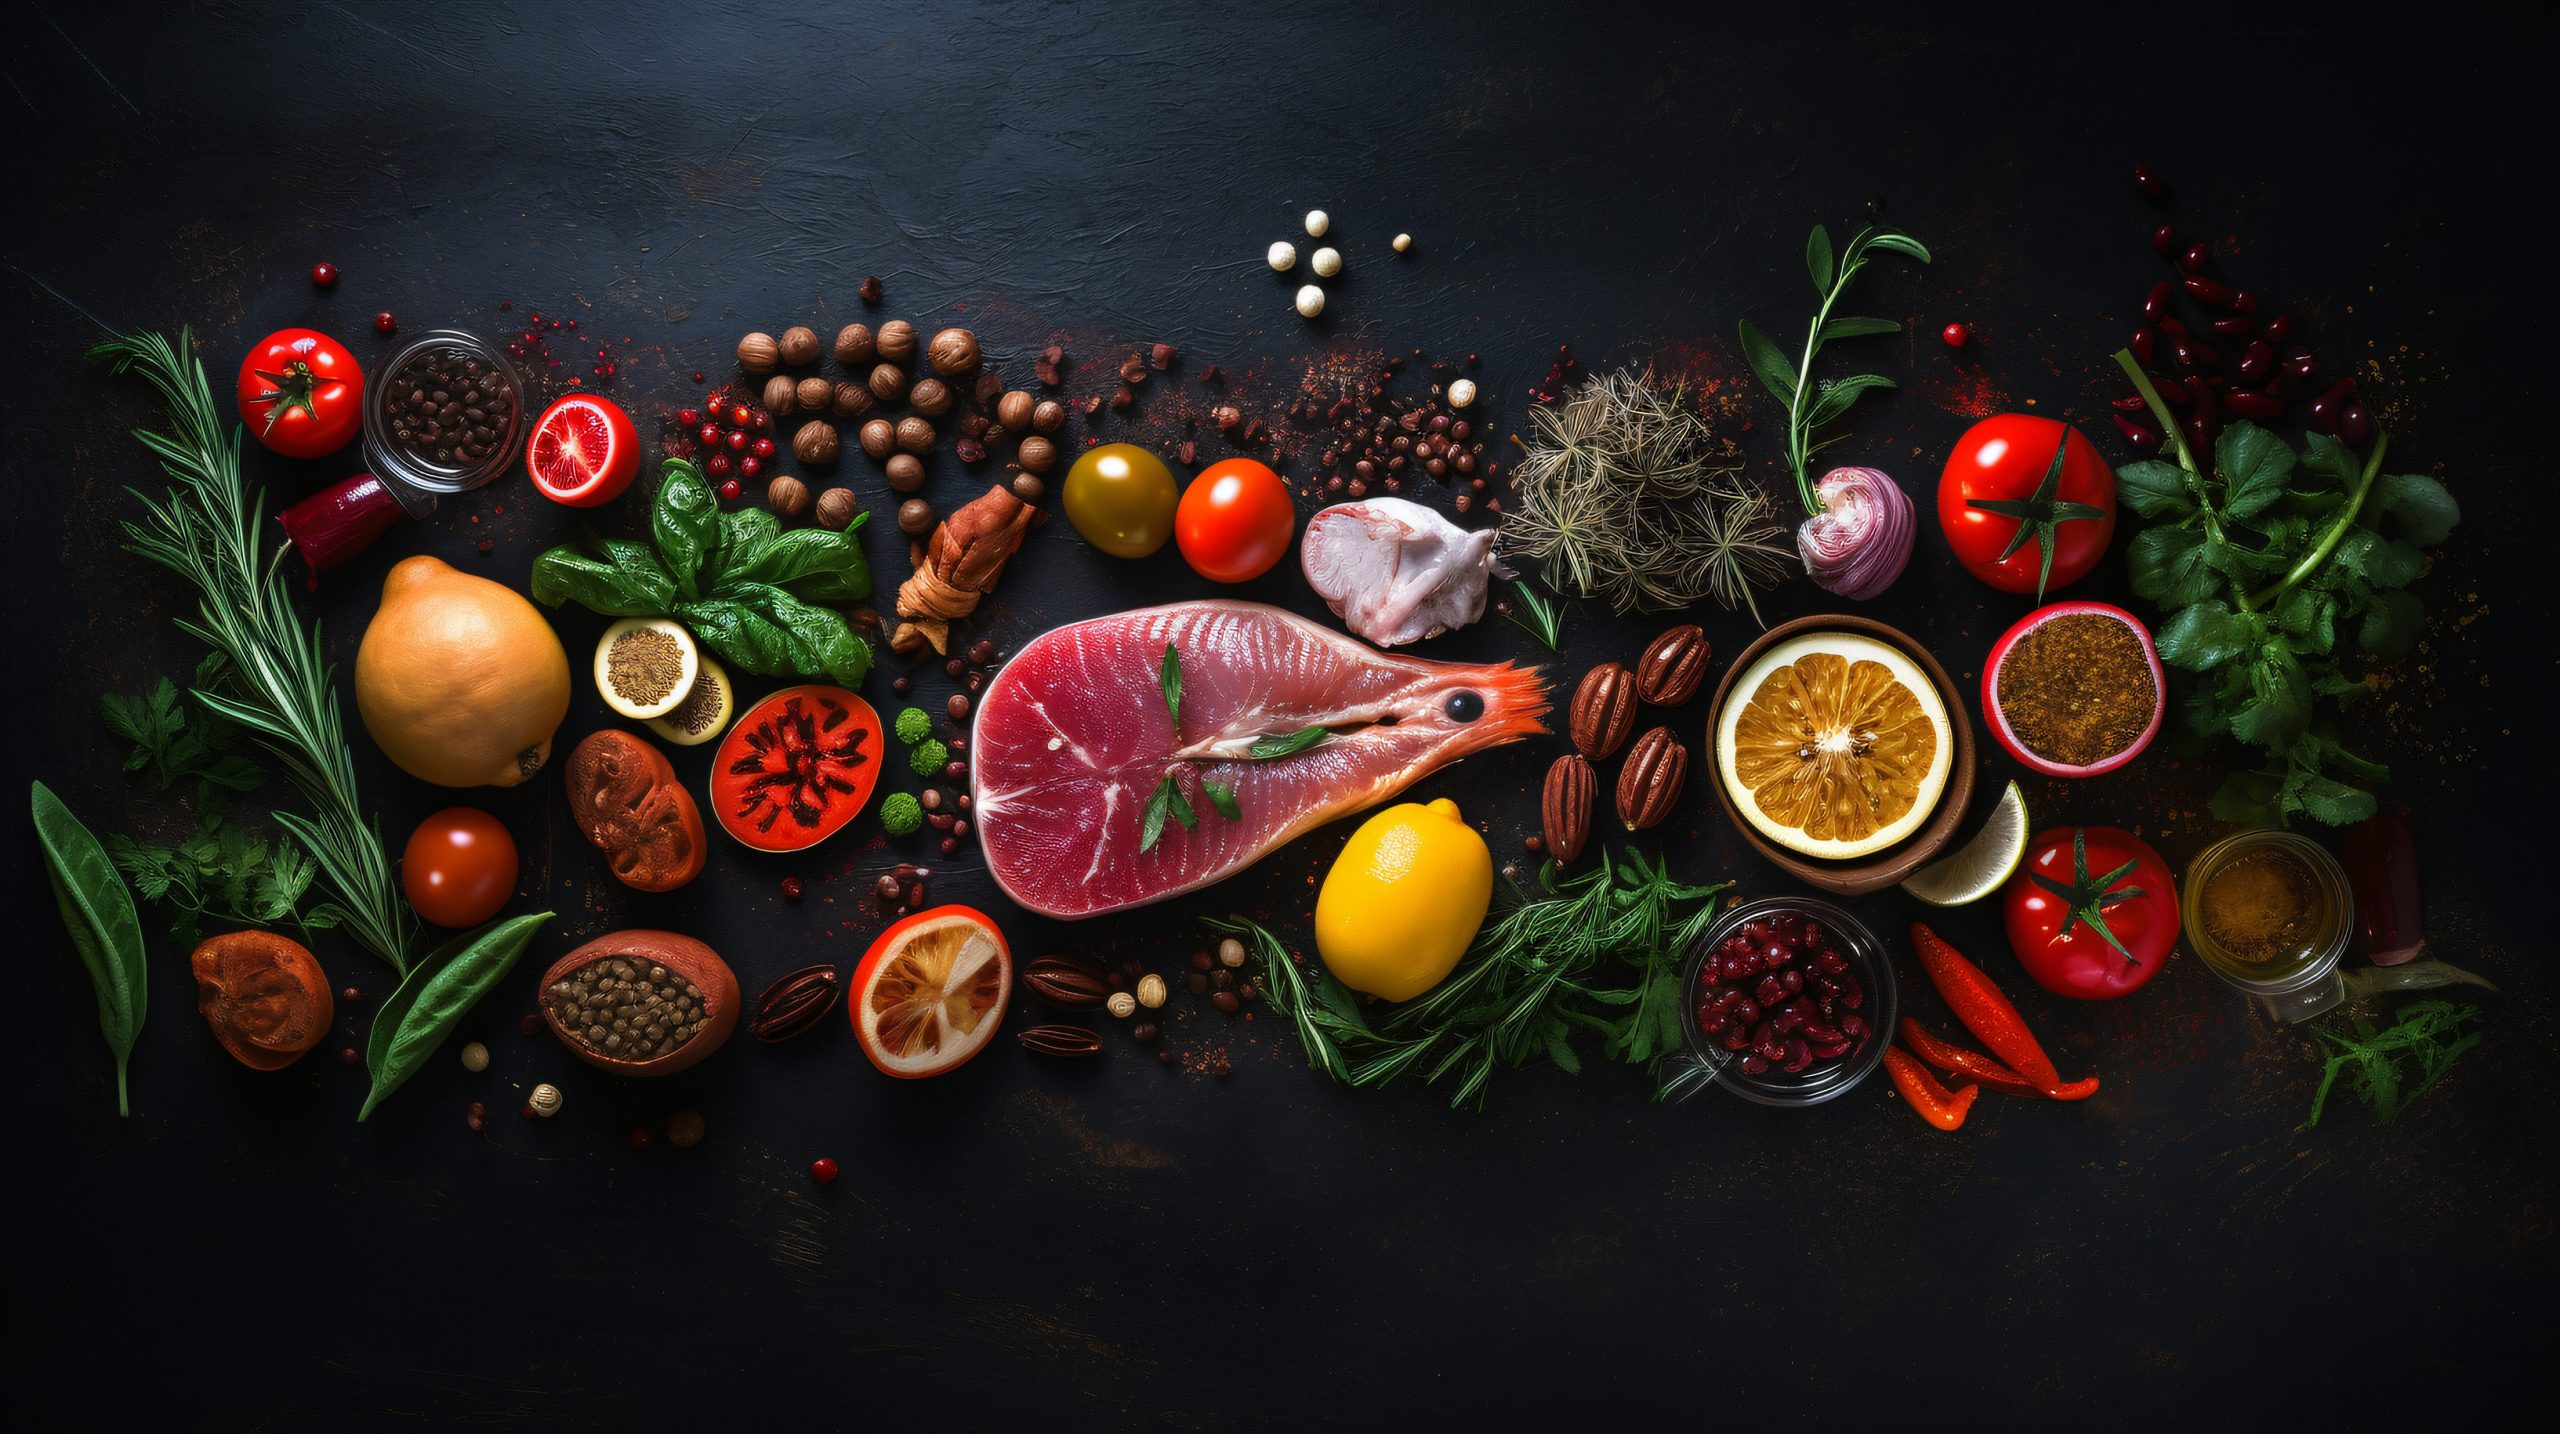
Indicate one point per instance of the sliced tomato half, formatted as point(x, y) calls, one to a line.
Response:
point(583, 452)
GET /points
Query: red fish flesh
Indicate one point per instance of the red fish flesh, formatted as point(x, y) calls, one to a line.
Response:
point(1073, 738)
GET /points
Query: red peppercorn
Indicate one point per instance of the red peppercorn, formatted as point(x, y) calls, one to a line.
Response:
point(749, 466)
point(349, 1055)
point(759, 421)
point(791, 887)
point(642, 1137)
point(697, 378)
point(323, 275)
point(738, 414)
point(687, 418)
point(823, 1170)
point(729, 491)
point(762, 448)
point(738, 439)
point(1956, 335)
point(709, 434)
point(717, 465)
point(351, 995)
point(531, 1025)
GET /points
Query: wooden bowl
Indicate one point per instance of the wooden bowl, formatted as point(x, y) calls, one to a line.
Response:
point(1854, 878)
point(680, 954)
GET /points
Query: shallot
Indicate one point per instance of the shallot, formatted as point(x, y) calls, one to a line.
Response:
point(1861, 539)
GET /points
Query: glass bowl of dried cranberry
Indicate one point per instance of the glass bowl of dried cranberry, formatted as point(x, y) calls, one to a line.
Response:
point(1789, 1001)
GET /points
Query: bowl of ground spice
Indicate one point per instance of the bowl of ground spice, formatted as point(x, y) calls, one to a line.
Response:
point(2074, 689)
point(641, 1003)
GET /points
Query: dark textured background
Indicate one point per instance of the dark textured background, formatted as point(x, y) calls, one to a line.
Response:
point(1115, 1244)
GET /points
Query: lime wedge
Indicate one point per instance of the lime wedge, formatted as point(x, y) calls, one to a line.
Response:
point(1981, 866)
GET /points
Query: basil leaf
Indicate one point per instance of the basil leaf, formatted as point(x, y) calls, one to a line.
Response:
point(1165, 801)
point(744, 533)
point(1817, 262)
point(1286, 744)
point(566, 575)
point(1858, 328)
point(813, 564)
point(1224, 799)
point(1170, 679)
point(1837, 395)
point(1776, 374)
point(434, 997)
point(2255, 467)
point(2153, 488)
point(105, 929)
point(685, 523)
point(2421, 506)
point(767, 631)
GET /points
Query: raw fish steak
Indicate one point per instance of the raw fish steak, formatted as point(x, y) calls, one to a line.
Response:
point(1397, 572)
point(1073, 738)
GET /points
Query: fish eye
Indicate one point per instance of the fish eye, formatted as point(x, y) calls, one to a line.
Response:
point(1464, 706)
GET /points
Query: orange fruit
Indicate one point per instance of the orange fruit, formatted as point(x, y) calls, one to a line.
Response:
point(1835, 745)
point(459, 679)
point(930, 992)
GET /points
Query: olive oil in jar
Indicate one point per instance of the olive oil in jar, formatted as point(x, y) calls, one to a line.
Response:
point(2269, 912)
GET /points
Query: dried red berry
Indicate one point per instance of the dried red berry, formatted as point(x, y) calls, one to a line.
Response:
point(822, 1169)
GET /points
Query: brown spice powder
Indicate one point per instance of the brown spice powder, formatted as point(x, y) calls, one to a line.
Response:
point(2259, 906)
point(2077, 690)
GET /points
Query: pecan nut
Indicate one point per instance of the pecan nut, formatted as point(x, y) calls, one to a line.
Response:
point(1565, 806)
point(1604, 710)
point(1657, 767)
point(1061, 1040)
point(1674, 666)
point(794, 1005)
point(1065, 983)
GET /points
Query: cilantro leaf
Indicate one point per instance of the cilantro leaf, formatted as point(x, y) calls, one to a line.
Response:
point(2255, 466)
point(2204, 636)
point(2154, 489)
point(2421, 507)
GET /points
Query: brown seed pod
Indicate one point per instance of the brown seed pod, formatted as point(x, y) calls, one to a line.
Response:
point(1649, 783)
point(787, 495)
point(798, 345)
point(1564, 807)
point(852, 400)
point(1014, 410)
point(781, 396)
point(1049, 416)
point(1061, 1040)
point(1068, 983)
point(896, 341)
point(1603, 710)
point(1036, 454)
point(792, 1006)
point(836, 508)
point(854, 347)
point(813, 394)
point(1674, 666)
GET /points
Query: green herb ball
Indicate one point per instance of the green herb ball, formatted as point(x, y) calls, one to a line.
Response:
point(927, 759)
point(914, 726)
point(901, 814)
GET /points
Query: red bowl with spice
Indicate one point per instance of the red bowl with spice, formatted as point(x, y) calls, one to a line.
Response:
point(2074, 689)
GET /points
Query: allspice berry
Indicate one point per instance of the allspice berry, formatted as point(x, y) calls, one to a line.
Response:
point(888, 383)
point(915, 517)
point(852, 400)
point(853, 345)
point(787, 495)
point(930, 397)
point(816, 442)
point(1014, 410)
point(1036, 454)
point(799, 345)
point(836, 508)
point(1028, 487)
point(879, 439)
point(896, 341)
point(781, 396)
point(814, 394)
point(905, 470)
point(758, 353)
point(914, 436)
point(1049, 416)
point(952, 352)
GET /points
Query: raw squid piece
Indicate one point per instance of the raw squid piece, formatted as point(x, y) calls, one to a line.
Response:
point(1072, 738)
point(1397, 572)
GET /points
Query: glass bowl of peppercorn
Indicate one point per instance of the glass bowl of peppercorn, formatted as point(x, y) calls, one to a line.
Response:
point(446, 416)
point(1788, 1000)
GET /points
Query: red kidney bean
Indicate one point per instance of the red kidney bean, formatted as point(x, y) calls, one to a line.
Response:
point(2234, 326)
point(2300, 366)
point(2279, 328)
point(2172, 391)
point(2130, 403)
point(2254, 406)
point(2322, 415)
point(2158, 300)
point(2257, 361)
point(2141, 436)
point(2171, 326)
point(2355, 425)
point(2208, 403)
point(2148, 181)
point(2244, 302)
point(2199, 434)
point(2194, 260)
point(2212, 293)
point(2144, 341)
point(2164, 238)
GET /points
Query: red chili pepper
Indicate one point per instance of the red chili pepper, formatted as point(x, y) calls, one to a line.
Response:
point(1983, 1010)
point(1956, 1060)
point(1937, 1105)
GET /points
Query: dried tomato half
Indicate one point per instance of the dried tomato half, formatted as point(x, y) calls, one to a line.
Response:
point(796, 768)
point(629, 805)
point(264, 996)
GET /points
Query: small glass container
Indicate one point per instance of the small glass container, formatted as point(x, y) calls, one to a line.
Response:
point(1826, 1080)
point(2284, 921)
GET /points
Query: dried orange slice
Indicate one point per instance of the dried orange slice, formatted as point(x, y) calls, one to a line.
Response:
point(1835, 745)
point(930, 992)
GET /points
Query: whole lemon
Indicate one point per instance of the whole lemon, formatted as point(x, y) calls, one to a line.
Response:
point(1403, 900)
point(459, 679)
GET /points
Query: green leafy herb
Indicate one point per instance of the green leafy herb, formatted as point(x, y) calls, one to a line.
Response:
point(209, 529)
point(1171, 680)
point(1286, 744)
point(2391, 1066)
point(1545, 620)
point(1809, 406)
point(2282, 577)
point(224, 873)
point(1166, 801)
point(105, 929)
point(434, 997)
point(760, 597)
point(172, 749)
point(1224, 799)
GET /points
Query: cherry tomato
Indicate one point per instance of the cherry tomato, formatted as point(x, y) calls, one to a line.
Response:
point(302, 393)
point(2027, 503)
point(1121, 498)
point(1235, 521)
point(459, 867)
point(2093, 914)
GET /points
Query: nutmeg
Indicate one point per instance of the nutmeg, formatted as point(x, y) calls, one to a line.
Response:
point(813, 394)
point(879, 439)
point(888, 383)
point(1036, 454)
point(799, 345)
point(758, 353)
point(781, 396)
point(816, 442)
point(952, 352)
point(852, 400)
point(1049, 416)
point(836, 508)
point(914, 435)
point(1013, 410)
point(896, 341)
point(930, 397)
point(905, 470)
point(915, 517)
point(853, 345)
point(1028, 487)
point(787, 495)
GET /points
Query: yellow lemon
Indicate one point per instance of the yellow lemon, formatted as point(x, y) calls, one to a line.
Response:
point(1403, 900)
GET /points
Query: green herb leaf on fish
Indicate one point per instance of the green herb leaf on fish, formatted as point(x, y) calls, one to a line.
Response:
point(1170, 679)
point(1286, 744)
point(1166, 802)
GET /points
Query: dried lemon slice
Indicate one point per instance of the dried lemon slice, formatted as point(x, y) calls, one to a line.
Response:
point(1834, 745)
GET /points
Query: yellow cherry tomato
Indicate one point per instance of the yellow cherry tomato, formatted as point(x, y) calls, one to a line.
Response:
point(1403, 900)
point(1121, 497)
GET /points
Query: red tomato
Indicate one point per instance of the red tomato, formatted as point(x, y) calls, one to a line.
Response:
point(583, 452)
point(459, 868)
point(302, 393)
point(2093, 914)
point(1235, 521)
point(2027, 504)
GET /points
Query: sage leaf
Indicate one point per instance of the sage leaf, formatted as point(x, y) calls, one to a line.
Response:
point(1839, 394)
point(1224, 799)
point(435, 996)
point(1902, 244)
point(1166, 802)
point(1775, 372)
point(1854, 328)
point(1286, 744)
point(1170, 679)
point(1818, 261)
point(105, 928)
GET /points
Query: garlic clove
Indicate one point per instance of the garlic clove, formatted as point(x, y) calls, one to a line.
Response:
point(1327, 262)
point(1317, 222)
point(1311, 301)
point(1283, 257)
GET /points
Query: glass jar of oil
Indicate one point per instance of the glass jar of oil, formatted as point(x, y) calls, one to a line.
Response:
point(2269, 911)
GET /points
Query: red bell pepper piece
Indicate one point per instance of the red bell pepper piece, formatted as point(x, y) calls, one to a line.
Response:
point(1983, 1010)
point(1937, 1105)
point(1956, 1060)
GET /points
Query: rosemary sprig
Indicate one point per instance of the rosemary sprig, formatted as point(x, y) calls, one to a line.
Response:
point(1546, 618)
point(1810, 406)
point(206, 530)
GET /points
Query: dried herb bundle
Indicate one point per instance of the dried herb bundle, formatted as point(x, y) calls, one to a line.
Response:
point(1626, 494)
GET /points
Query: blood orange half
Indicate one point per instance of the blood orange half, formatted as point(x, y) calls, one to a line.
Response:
point(583, 452)
point(930, 992)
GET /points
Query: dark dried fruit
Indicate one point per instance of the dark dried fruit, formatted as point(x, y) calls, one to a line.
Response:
point(1673, 666)
point(1061, 1040)
point(794, 1005)
point(1657, 767)
point(1565, 806)
point(1066, 982)
point(1049, 366)
point(1603, 711)
point(627, 803)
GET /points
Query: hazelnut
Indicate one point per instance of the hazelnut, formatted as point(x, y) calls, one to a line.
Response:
point(758, 353)
point(816, 442)
point(1122, 1004)
point(836, 508)
point(952, 352)
point(781, 396)
point(1151, 992)
point(915, 517)
point(906, 472)
point(788, 495)
point(1028, 487)
point(930, 397)
point(853, 345)
point(1049, 416)
point(852, 400)
point(1231, 953)
point(1036, 454)
point(799, 345)
point(1014, 410)
point(896, 341)
point(879, 439)
point(814, 394)
point(914, 435)
point(888, 383)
